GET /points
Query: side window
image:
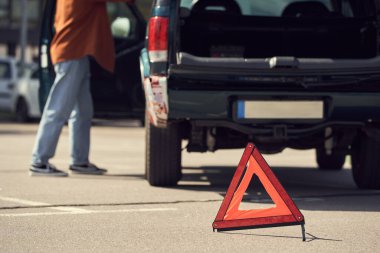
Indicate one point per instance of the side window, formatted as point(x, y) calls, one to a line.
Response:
point(123, 23)
point(5, 72)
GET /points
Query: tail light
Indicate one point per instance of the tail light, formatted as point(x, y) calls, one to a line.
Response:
point(158, 39)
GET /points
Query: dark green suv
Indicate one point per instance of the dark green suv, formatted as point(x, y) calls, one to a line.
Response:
point(279, 73)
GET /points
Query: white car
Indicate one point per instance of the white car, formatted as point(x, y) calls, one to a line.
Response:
point(19, 94)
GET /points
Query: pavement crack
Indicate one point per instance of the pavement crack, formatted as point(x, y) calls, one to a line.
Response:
point(252, 199)
point(111, 204)
point(339, 195)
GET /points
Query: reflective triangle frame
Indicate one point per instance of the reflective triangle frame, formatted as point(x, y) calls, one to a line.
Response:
point(285, 213)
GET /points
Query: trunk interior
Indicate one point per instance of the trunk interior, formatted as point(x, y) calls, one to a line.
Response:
point(225, 35)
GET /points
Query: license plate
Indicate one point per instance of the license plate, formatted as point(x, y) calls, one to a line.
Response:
point(279, 109)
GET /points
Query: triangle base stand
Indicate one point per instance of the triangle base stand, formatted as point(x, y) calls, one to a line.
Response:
point(215, 224)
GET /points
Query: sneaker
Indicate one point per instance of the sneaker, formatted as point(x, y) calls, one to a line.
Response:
point(90, 168)
point(46, 170)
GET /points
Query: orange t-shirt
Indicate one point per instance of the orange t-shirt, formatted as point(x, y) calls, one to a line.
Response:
point(82, 28)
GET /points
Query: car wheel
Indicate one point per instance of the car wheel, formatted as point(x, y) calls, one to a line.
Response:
point(162, 155)
point(22, 111)
point(334, 161)
point(365, 160)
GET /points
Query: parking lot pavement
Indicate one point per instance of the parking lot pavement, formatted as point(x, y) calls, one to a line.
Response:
point(120, 212)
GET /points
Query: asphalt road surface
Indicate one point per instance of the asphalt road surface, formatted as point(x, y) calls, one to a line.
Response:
point(120, 212)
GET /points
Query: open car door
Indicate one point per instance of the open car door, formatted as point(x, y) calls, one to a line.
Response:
point(115, 95)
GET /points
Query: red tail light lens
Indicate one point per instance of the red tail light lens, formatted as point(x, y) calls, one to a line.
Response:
point(158, 39)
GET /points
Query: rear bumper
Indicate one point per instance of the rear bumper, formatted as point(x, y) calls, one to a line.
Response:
point(209, 105)
point(277, 130)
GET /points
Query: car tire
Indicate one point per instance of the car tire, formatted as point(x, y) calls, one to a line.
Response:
point(162, 155)
point(335, 161)
point(365, 161)
point(22, 111)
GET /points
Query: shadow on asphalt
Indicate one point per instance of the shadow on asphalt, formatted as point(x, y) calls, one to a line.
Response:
point(110, 176)
point(310, 188)
point(98, 122)
point(129, 123)
point(17, 132)
point(309, 237)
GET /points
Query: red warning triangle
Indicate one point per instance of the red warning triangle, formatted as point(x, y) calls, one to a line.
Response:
point(285, 212)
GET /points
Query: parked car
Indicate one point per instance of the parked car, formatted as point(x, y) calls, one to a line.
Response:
point(8, 77)
point(27, 105)
point(19, 90)
point(298, 74)
point(115, 95)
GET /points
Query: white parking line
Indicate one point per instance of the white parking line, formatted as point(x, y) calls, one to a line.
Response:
point(70, 210)
point(88, 212)
point(34, 203)
point(22, 201)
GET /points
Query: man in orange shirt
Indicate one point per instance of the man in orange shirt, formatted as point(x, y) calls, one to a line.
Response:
point(82, 31)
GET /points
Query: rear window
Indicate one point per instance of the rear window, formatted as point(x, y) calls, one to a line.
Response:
point(293, 8)
point(5, 72)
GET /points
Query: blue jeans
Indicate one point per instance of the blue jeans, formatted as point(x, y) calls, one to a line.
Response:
point(69, 100)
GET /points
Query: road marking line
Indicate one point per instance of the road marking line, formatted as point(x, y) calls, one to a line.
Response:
point(22, 201)
point(70, 210)
point(88, 212)
point(34, 203)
